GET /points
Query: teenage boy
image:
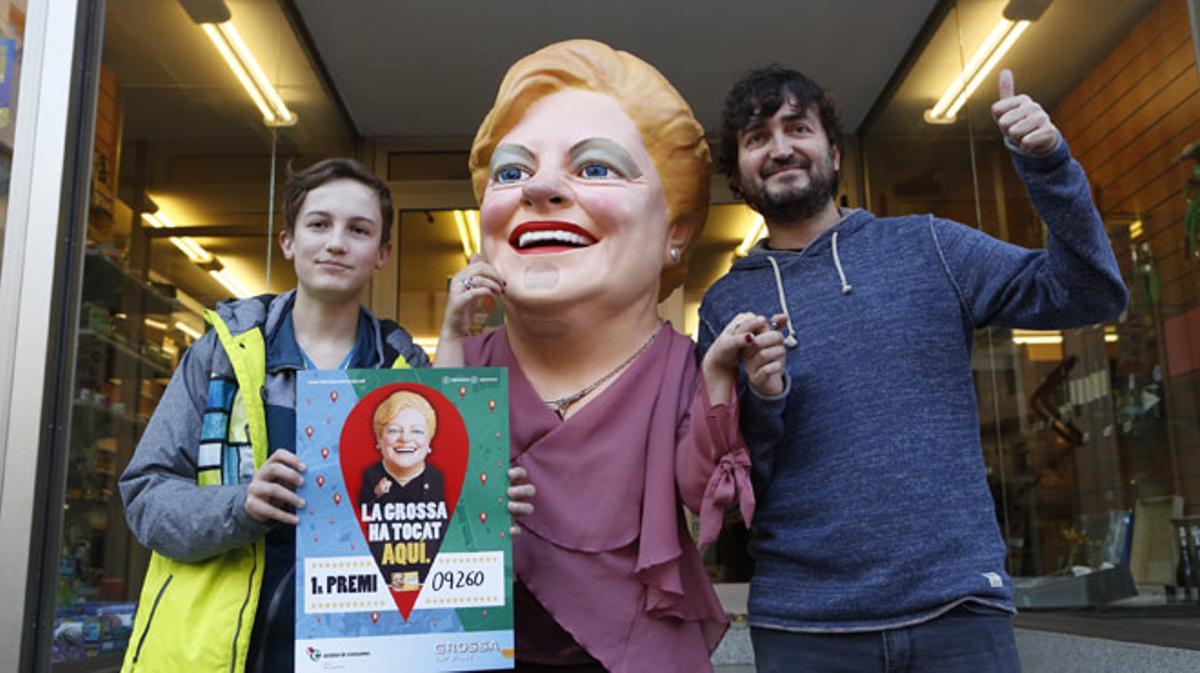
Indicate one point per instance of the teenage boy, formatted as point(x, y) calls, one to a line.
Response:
point(211, 486)
point(876, 537)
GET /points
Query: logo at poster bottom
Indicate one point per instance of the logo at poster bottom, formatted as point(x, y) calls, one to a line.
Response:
point(404, 451)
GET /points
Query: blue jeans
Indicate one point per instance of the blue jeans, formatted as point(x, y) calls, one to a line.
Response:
point(967, 639)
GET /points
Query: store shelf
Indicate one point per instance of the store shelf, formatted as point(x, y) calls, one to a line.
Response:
point(91, 412)
point(123, 349)
point(84, 504)
point(104, 663)
point(106, 283)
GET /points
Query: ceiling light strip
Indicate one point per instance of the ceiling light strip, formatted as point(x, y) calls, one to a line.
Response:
point(753, 233)
point(464, 235)
point(196, 253)
point(186, 244)
point(473, 230)
point(187, 329)
point(245, 67)
point(230, 282)
point(987, 68)
point(978, 67)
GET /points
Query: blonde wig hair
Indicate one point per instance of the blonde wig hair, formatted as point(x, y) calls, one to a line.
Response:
point(399, 401)
point(673, 137)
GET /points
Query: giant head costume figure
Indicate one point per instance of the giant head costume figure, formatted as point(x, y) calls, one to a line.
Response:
point(593, 178)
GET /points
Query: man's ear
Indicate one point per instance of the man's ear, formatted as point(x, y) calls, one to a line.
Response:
point(285, 244)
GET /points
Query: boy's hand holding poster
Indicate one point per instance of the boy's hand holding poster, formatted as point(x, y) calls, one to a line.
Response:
point(402, 551)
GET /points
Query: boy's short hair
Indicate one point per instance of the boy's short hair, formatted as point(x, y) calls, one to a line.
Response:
point(300, 183)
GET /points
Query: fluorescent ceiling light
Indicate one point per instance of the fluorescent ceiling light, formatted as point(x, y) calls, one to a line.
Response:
point(197, 254)
point(978, 67)
point(755, 231)
point(243, 64)
point(1036, 338)
point(187, 329)
point(186, 244)
point(230, 282)
point(473, 229)
point(467, 223)
point(1046, 338)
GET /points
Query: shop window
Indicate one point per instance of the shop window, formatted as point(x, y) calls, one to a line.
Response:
point(1091, 436)
point(181, 216)
point(12, 31)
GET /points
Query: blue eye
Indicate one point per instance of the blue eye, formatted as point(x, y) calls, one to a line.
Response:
point(596, 171)
point(510, 174)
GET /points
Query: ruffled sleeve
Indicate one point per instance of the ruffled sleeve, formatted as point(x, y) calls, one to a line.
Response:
point(714, 458)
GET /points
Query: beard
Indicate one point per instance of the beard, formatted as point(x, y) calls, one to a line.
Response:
point(789, 203)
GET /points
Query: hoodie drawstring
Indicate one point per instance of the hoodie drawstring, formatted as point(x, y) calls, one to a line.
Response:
point(837, 262)
point(790, 341)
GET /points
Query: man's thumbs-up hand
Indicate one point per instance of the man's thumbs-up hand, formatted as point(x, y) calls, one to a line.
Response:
point(1022, 121)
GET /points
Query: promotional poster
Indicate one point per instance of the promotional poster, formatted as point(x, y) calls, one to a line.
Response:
point(402, 552)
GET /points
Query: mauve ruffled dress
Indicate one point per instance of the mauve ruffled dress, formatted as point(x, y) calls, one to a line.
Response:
point(606, 552)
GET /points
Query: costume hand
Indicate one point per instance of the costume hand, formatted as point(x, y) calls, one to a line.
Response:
point(274, 488)
point(765, 360)
point(747, 340)
point(382, 487)
point(726, 349)
point(479, 281)
point(1024, 123)
point(520, 496)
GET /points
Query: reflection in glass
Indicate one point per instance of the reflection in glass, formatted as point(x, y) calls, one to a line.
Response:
point(181, 216)
point(1091, 436)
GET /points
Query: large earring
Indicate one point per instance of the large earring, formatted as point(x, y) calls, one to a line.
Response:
point(674, 253)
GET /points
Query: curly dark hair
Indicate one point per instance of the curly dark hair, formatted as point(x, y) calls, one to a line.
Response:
point(300, 183)
point(759, 95)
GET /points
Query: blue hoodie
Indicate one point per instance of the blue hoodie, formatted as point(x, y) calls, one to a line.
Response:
point(873, 505)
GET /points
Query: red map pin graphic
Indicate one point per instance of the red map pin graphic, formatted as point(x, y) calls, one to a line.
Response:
point(483, 517)
point(462, 391)
point(320, 481)
point(324, 453)
point(308, 431)
point(483, 477)
point(337, 498)
point(333, 396)
point(398, 555)
point(374, 617)
point(491, 405)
